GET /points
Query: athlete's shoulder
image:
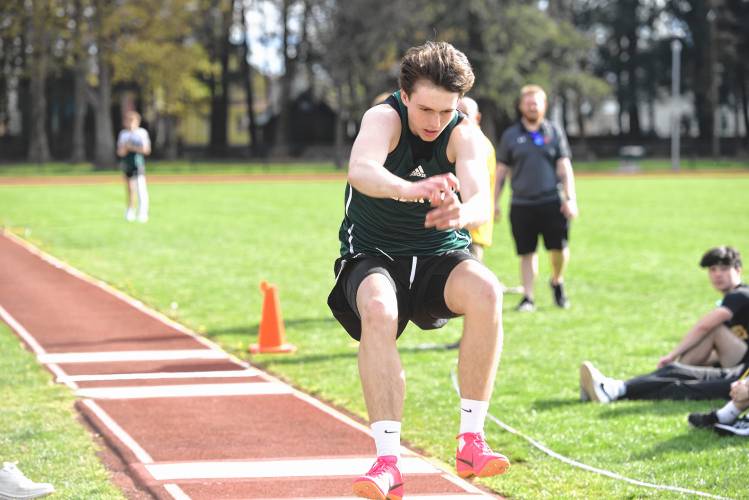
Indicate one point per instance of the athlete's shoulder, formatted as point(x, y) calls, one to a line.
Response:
point(382, 119)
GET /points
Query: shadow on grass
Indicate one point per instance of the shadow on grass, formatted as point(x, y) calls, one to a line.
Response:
point(628, 408)
point(692, 439)
point(553, 404)
point(251, 330)
point(657, 407)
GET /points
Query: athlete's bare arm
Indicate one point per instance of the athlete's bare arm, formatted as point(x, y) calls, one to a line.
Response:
point(379, 135)
point(468, 149)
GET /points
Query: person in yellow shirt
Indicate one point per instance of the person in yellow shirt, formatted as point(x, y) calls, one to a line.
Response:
point(481, 235)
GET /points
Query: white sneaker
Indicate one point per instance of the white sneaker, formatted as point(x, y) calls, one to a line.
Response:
point(597, 386)
point(130, 215)
point(142, 217)
point(14, 485)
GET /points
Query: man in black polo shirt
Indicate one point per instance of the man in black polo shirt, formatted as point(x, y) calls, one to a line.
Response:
point(537, 156)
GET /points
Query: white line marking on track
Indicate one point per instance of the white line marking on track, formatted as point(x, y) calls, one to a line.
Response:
point(183, 391)
point(64, 379)
point(141, 454)
point(176, 492)
point(446, 496)
point(20, 330)
point(255, 469)
point(113, 356)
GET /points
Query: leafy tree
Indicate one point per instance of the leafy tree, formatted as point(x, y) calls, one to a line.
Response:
point(156, 50)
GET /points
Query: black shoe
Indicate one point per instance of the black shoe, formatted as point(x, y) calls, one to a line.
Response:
point(526, 305)
point(560, 299)
point(738, 428)
point(703, 420)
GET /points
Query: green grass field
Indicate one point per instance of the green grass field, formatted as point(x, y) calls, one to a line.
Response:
point(634, 283)
point(158, 167)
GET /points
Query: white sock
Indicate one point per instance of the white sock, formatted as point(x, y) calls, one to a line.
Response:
point(142, 196)
point(387, 437)
point(728, 414)
point(472, 415)
point(614, 388)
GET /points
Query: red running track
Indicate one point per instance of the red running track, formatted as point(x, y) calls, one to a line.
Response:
point(187, 419)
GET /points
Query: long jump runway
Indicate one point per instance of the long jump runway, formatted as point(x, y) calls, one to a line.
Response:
point(188, 420)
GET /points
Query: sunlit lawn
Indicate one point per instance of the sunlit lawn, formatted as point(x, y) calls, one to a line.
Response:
point(634, 283)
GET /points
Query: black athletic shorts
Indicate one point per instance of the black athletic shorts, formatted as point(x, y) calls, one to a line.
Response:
point(131, 171)
point(530, 221)
point(419, 284)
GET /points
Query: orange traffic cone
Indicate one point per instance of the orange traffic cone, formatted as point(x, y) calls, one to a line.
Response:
point(271, 334)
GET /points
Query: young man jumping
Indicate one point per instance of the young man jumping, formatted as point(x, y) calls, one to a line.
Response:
point(416, 182)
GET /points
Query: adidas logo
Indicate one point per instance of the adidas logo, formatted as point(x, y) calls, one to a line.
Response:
point(418, 172)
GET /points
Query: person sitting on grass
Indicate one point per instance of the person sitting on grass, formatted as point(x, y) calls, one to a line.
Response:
point(711, 356)
point(726, 420)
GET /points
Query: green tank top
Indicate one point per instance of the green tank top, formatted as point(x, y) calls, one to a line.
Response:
point(377, 226)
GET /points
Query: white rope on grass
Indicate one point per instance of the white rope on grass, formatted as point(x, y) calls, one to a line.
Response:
point(580, 465)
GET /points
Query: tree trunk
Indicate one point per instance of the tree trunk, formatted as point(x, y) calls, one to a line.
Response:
point(170, 137)
point(282, 132)
point(744, 103)
point(78, 153)
point(339, 124)
point(249, 91)
point(220, 93)
point(38, 144)
point(632, 94)
point(104, 153)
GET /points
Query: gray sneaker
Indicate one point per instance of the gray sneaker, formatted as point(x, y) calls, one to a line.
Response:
point(738, 428)
point(14, 485)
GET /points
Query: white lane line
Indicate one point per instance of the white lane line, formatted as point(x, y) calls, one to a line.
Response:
point(115, 356)
point(176, 492)
point(101, 377)
point(255, 469)
point(446, 496)
point(183, 391)
point(141, 454)
point(20, 330)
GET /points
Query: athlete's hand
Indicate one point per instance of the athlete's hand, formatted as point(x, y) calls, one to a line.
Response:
point(497, 213)
point(569, 209)
point(430, 188)
point(740, 390)
point(667, 359)
point(447, 211)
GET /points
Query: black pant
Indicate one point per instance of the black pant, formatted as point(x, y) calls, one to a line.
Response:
point(680, 381)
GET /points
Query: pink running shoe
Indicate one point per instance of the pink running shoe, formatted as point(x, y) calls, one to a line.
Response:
point(475, 458)
point(382, 482)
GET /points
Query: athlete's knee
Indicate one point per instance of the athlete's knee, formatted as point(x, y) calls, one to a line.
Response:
point(485, 292)
point(379, 310)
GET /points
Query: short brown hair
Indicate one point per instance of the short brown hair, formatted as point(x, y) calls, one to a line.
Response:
point(440, 63)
